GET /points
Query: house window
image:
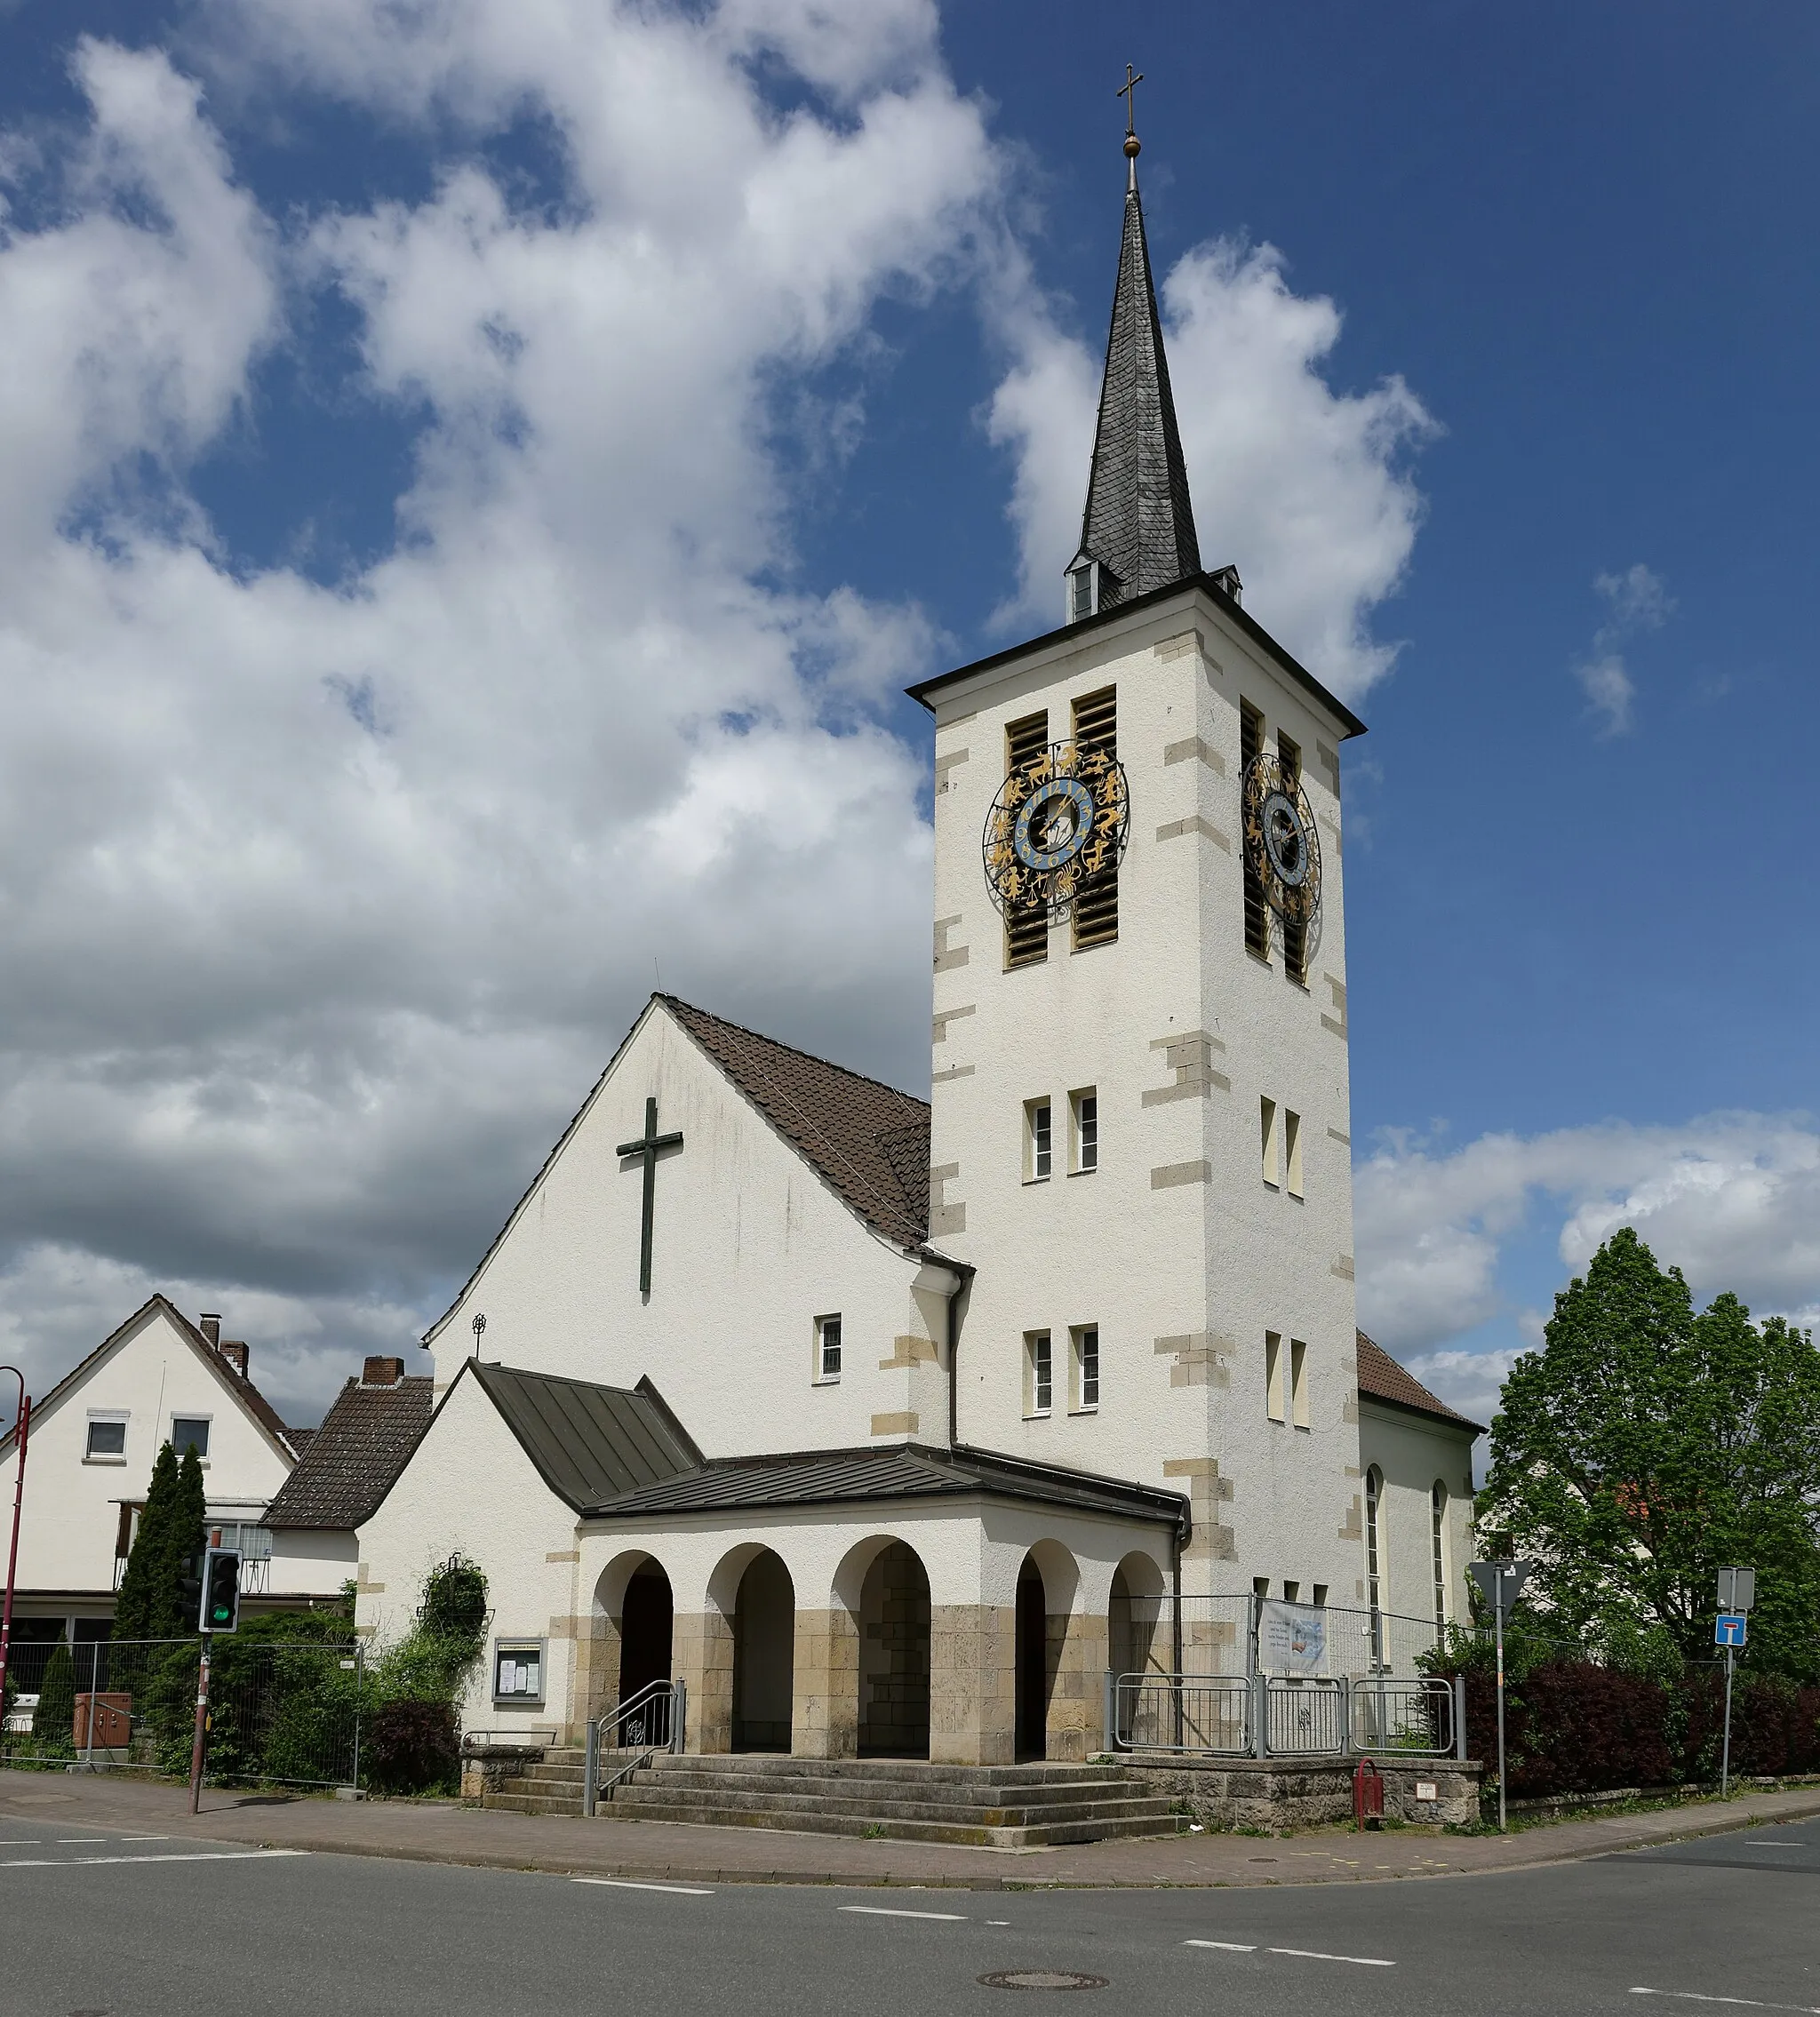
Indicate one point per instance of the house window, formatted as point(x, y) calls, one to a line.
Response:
point(1038, 1384)
point(1292, 1152)
point(1257, 912)
point(1027, 925)
point(1437, 1528)
point(190, 1433)
point(1096, 901)
point(1083, 1108)
point(1086, 1340)
point(518, 1671)
point(1299, 1383)
point(1270, 1143)
point(1295, 936)
point(106, 1442)
point(1273, 1401)
point(1038, 1141)
point(827, 1348)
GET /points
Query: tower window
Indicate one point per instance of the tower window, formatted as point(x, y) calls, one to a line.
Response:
point(1086, 1367)
point(1097, 902)
point(827, 1348)
point(1084, 1108)
point(1027, 925)
point(1437, 1525)
point(1292, 1152)
point(1298, 1383)
point(1038, 1145)
point(1269, 1143)
point(1273, 1399)
point(1257, 912)
point(1374, 1557)
point(1038, 1369)
point(1295, 936)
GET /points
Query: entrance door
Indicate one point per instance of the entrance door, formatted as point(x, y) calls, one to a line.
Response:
point(645, 1621)
point(1033, 1665)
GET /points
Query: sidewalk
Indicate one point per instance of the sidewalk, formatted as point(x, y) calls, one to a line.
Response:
point(665, 1851)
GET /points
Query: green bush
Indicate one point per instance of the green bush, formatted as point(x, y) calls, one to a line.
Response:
point(53, 1723)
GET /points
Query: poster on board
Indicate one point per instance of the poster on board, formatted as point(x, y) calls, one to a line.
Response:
point(1291, 1638)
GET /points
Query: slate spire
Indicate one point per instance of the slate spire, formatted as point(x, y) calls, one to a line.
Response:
point(1138, 525)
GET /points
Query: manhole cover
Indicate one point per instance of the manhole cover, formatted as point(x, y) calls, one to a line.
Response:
point(1041, 1978)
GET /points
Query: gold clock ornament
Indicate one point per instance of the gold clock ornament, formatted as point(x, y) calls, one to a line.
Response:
point(1060, 820)
point(1282, 849)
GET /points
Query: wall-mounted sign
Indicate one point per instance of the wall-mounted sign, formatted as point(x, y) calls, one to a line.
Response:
point(518, 1671)
point(1291, 1638)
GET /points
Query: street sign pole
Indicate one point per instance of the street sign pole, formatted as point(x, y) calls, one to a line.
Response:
point(1501, 1584)
point(1501, 1824)
point(1737, 1591)
point(1725, 1755)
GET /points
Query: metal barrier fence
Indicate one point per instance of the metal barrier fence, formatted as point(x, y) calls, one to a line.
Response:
point(1272, 1716)
point(1220, 1635)
point(288, 1712)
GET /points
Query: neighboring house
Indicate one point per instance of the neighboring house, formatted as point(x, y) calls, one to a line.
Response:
point(1416, 1461)
point(348, 1468)
point(94, 1438)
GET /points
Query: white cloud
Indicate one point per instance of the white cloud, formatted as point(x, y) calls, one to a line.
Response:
point(1304, 487)
point(1732, 1199)
point(1638, 600)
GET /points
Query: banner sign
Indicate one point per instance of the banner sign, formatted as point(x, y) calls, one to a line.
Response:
point(1291, 1638)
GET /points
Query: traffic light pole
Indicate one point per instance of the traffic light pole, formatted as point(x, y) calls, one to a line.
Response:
point(24, 1427)
point(199, 1743)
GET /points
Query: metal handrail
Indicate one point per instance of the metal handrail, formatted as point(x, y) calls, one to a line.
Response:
point(674, 1695)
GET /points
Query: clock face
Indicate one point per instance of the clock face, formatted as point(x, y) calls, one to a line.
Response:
point(1282, 847)
point(1059, 819)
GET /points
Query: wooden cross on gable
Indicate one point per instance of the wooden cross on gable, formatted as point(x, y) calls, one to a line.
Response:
point(649, 1150)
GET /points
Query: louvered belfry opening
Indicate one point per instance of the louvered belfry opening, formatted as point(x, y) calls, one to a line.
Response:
point(1027, 925)
point(1294, 935)
point(1097, 902)
point(1256, 913)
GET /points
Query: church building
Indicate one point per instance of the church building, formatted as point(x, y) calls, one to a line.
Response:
point(890, 1428)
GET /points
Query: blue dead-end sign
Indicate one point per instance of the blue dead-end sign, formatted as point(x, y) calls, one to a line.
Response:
point(1729, 1628)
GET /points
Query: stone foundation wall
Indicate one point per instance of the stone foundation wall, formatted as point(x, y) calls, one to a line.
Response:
point(484, 1772)
point(1281, 1793)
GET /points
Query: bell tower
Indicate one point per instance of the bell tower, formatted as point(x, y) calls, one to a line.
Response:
point(1140, 1135)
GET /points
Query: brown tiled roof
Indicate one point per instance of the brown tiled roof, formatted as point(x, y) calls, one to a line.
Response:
point(351, 1462)
point(868, 1140)
point(301, 1440)
point(1383, 1379)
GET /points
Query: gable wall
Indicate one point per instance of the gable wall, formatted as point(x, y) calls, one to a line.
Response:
point(71, 1512)
point(750, 1247)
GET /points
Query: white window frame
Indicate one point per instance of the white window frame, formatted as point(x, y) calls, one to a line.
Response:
point(1083, 1131)
point(110, 1415)
point(823, 1376)
point(1039, 1374)
point(1039, 1139)
point(208, 1423)
point(1078, 1375)
point(507, 1648)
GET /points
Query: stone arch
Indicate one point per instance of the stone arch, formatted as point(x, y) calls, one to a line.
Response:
point(764, 1654)
point(1137, 1619)
point(631, 1641)
point(1048, 1583)
point(881, 1588)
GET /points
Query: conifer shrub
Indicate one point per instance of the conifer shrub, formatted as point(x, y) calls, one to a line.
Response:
point(53, 1721)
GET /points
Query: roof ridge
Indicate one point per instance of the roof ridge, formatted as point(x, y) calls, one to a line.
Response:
point(777, 1043)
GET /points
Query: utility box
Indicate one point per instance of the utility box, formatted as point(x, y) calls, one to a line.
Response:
point(103, 1722)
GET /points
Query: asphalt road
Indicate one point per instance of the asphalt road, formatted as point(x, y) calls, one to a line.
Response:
point(98, 1923)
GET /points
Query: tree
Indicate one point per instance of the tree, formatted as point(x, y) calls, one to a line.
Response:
point(170, 1531)
point(1644, 1447)
point(53, 1721)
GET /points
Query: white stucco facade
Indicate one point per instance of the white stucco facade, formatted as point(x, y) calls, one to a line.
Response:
point(1414, 1455)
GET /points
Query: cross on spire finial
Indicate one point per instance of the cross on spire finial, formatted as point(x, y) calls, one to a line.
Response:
point(1127, 91)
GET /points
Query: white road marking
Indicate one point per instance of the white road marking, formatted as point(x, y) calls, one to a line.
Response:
point(73, 1841)
point(626, 1884)
point(23, 1841)
point(176, 1856)
point(998, 1922)
point(1225, 1946)
point(1309, 1954)
point(144, 1838)
point(892, 1912)
point(1746, 2002)
point(1750, 1845)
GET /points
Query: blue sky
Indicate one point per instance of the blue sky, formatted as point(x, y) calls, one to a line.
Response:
point(455, 466)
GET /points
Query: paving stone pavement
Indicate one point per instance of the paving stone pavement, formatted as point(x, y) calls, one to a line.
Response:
point(446, 1833)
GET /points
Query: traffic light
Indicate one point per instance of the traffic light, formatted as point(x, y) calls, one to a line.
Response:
point(189, 1585)
point(220, 1591)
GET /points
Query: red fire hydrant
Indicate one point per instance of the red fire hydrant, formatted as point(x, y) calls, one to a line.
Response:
point(1367, 1793)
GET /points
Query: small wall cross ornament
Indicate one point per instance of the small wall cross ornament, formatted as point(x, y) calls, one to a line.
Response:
point(649, 1150)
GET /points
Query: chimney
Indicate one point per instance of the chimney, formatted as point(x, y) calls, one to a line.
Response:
point(210, 1328)
point(234, 1351)
point(382, 1373)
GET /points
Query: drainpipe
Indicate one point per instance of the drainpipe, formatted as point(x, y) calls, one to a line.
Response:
point(1176, 1620)
point(964, 1281)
